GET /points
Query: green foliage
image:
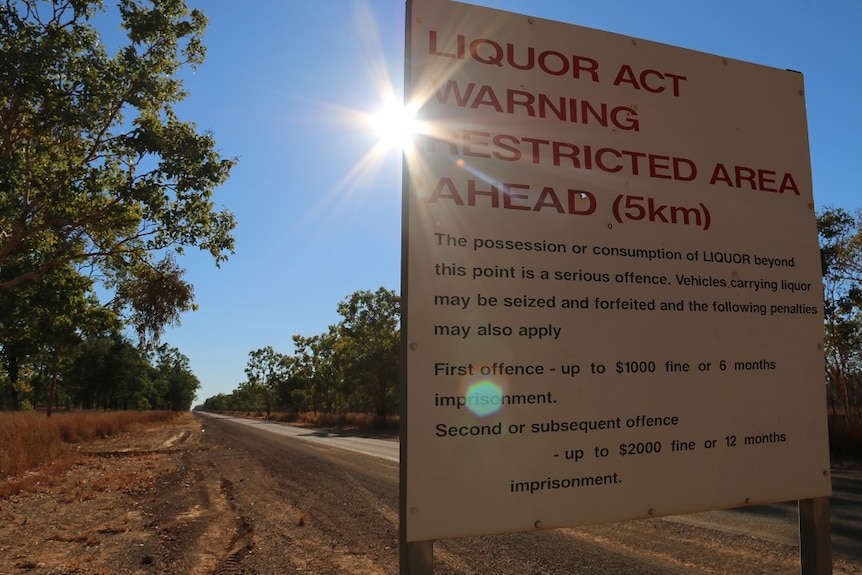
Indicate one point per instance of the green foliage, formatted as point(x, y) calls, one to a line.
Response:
point(156, 296)
point(268, 372)
point(107, 373)
point(43, 319)
point(353, 367)
point(96, 167)
point(368, 346)
point(174, 381)
point(101, 183)
point(219, 402)
point(112, 373)
point(841, 254)
point(317, 372)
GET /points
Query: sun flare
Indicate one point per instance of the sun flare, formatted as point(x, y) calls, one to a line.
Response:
point(383, 121)
point(395, 124)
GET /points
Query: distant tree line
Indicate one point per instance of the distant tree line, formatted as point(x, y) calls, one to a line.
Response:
point(102, 372)
point(354, 366)
point(351, 368)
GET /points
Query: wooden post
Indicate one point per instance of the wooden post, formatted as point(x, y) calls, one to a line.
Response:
point(815, 533)
point(417, 558)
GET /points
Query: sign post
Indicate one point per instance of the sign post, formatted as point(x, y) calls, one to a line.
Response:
point(815, 546)
point(611, 280)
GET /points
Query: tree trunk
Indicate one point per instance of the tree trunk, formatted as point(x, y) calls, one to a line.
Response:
point(53, 388)
point(13, 369)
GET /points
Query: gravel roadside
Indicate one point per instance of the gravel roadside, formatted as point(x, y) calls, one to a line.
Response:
point(198, 497)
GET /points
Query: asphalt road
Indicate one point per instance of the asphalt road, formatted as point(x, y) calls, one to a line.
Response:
point(761, 539)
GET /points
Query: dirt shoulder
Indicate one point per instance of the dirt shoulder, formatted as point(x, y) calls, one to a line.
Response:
point(178, 499)
point(192, 498)
point(129, 504)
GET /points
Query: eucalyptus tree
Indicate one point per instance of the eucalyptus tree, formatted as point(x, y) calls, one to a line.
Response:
point(354, 366)
point(841, 253)
point(41, 322)
point(317, 374)
point(97, 171)
point(267, 372)
point(368, 347)
point(107, 372)
point(174, 383)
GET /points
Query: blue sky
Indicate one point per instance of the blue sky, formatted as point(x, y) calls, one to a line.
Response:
point(283, 89)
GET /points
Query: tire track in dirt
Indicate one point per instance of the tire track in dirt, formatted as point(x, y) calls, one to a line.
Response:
point(319, 516)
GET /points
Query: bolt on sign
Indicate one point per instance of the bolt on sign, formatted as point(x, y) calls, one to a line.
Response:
point(611, 277)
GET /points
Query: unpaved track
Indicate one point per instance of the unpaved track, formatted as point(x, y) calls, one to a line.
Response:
point(210, 496)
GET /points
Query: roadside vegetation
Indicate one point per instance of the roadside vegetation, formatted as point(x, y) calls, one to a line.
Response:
point(343, 421)
point(29, 439)
point(841, 253)
point(350, 370)
point(102, 189)
point(104, 373)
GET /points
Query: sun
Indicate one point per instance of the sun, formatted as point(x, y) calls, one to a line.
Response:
point(395, 124)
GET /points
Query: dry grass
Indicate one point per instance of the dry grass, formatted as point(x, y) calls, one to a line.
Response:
point(319, 419)
point(46, 474)
point(30, 439)
point(347, 420)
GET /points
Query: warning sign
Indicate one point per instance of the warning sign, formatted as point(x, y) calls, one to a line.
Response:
point(612, 279)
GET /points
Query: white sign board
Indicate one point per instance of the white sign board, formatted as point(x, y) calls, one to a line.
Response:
point(612, 279)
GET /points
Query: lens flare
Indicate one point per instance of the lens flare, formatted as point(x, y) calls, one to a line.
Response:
point(484, 397)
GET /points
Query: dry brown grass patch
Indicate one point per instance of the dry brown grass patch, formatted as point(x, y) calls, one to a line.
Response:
point(348, 420)
point(30, 440)
point(46, 475)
